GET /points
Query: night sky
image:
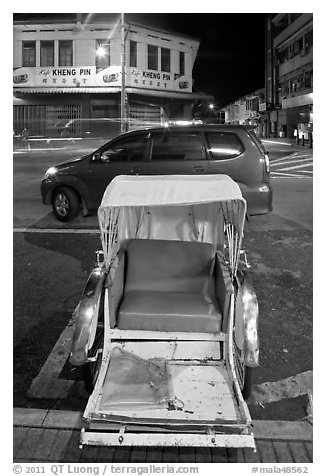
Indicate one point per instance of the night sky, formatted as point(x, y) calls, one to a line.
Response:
point(231, 57)
point(230, 61)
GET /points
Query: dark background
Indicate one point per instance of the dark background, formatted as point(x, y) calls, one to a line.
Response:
point(231, 58)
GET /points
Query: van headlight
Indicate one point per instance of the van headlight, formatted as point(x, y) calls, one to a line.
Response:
point(50, 172)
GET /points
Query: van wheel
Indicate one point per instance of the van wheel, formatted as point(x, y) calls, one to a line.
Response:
point(65, 203)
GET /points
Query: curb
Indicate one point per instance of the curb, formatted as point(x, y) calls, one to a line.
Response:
point(73, 420)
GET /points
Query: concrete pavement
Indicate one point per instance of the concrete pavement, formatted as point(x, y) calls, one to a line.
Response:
point(53, 436)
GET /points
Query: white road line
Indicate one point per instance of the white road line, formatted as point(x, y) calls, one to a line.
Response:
point(279, 162)
point(56, 230)
point(47, 383)
point(281, 159)
point(276, 142)
point(294, 167)
point(287, 175)
point(291, 387)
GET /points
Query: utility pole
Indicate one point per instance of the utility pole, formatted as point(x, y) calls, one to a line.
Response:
point(123, 75)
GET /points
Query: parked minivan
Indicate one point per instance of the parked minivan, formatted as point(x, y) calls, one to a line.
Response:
point(232, 150)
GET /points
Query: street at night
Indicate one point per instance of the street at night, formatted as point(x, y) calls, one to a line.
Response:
point(52, 261)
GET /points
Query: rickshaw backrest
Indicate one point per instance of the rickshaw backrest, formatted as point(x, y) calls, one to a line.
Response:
point(169, 266)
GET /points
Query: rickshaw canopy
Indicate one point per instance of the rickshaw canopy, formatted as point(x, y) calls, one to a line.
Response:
point(202, 208)
point(160, 190)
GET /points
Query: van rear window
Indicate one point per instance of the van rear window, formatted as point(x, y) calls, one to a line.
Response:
point(223, 145)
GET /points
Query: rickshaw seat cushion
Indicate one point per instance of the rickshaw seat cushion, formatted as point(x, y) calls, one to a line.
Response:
point(169, 266)
point(170, 312)
point(169, 286)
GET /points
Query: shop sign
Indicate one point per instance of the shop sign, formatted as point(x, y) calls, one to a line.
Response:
point(67, 76)
point(147, 79)
point(88, 76)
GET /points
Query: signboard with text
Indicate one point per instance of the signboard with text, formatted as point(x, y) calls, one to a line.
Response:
point(90, 76)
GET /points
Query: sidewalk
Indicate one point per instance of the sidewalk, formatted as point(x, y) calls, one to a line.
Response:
point(53, 436)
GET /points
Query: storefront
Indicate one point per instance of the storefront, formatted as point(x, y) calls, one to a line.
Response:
point(84, 101)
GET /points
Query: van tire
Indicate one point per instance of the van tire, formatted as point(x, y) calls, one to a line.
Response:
point(65, 204)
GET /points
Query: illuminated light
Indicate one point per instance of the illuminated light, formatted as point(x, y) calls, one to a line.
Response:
point(182, 123)
point(267, 162)
point(51, 171)
point(211, 106)
point(101, 51)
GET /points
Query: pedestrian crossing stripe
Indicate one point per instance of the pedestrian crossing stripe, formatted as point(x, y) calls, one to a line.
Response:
point(294, 167)
point(288, 175)
point(281, 161)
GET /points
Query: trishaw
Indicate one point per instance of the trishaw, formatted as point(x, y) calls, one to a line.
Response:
point(166, 329)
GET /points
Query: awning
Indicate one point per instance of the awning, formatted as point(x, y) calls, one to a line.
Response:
point(112, 90)
point(66, 90)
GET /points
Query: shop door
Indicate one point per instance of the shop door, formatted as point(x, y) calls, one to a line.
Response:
point(63, 120)
point(144, 115)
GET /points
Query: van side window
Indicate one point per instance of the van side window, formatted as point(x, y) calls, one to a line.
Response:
point(223, 145)
point(129, 149)
point(177, 146)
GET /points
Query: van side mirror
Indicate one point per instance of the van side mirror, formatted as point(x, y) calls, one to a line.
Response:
point(96, 157)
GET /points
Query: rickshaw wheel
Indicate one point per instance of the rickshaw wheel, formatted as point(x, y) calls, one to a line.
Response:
point(247, 382)
point(91, 369)
point(244, 374)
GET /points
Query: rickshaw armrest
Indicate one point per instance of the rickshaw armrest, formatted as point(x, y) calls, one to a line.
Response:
point(116, 281)
point(223, 287)
point(85, 317)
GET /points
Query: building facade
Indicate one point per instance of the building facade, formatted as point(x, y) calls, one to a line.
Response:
point(82, 74)
point(246, 111)
point(288, 111)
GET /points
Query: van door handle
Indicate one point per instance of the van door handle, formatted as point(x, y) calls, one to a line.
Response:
point(135, 170)
point(198, 169)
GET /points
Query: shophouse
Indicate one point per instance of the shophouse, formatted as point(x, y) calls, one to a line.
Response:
point(84, 71)
point(246, 111)
point(288, 111)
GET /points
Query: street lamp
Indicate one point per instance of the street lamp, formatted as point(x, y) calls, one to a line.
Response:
point(101, 51)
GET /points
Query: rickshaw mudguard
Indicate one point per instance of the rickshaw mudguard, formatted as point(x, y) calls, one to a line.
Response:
point(246, 320)
point(85, 316)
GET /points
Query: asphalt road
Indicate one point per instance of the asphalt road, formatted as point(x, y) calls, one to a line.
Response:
point(50, 269)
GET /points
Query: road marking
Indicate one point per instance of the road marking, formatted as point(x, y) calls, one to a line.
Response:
point(280, 161)
point(276, 142)
point(283, 158)
point(56, 230)
point(287, 175)
point(47, 383)
point(294, 167)
point(290, 387)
